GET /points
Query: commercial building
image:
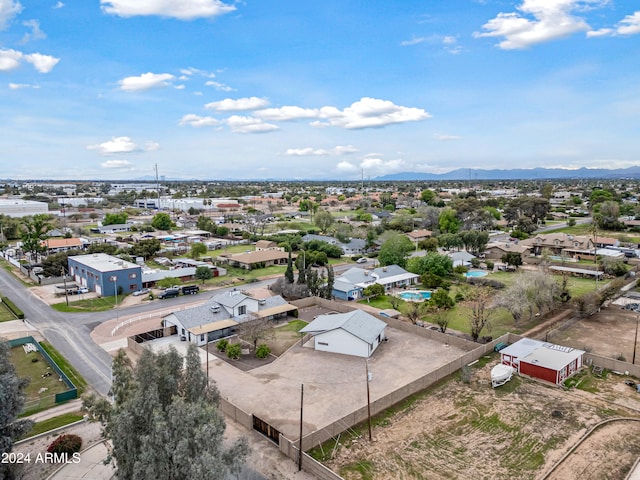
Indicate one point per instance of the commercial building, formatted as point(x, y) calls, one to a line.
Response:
point(104, 274)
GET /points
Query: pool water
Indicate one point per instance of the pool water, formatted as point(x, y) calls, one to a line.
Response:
point(415, 296)
point(476, 273)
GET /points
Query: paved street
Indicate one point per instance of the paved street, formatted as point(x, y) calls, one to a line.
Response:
point(70, 333)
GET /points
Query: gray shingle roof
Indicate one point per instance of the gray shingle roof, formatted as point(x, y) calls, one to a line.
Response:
point(360, 324)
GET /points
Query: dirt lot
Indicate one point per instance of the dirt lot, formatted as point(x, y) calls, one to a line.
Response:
point(520, 430)
point(608, 333)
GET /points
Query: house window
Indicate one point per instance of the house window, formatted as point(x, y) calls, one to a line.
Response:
point(183, 331)
point(242, 309)
point(133, 275)
point(133, 286)
point(202, 338)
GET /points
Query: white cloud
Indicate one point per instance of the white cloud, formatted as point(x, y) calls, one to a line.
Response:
point(449, 40)
point(306, 152)
point(629, 25)
point(345, 166)
point(36, 33)
point(179, 87)
point(288, 113)
point(237, 105)
point(182, 9)
point(151, 146)
point(146, 81)
point(58, 5)
point(241, 124)
point(444, 138)
point(219, 86)
point(18, 86)
point(371, 112)
point(117, 145)
point(8, 10)
point(551, 20)
point(198, 121)
point(413, 41)
point(42, 63)
point(310, 151)
point(116, 164)
point(11, 59)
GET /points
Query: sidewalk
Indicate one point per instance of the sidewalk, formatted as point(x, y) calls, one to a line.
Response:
point(91, 465)
point(68, 407)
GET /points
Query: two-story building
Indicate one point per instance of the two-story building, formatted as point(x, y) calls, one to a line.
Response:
point(104, 274)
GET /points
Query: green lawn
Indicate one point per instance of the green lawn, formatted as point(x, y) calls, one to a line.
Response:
point(71, 372)
point(33, 366)
point(55, 422)
point(89, 305)
point(5, 314)
point(293, 326)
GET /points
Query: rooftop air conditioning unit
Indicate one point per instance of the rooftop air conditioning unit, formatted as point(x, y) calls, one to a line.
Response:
point(262, 301)
point(215, 308)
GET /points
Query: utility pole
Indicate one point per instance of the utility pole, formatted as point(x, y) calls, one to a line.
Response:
point(64, 279)
point(368, 399)
point(300, 439)
point(635, 340)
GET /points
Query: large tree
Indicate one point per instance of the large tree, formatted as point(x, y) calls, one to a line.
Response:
point(395, 250)
point(161, 221)
point(323, 220)
point(480, 311)
point(11, 402)
point(164, 422)
point(34, 231)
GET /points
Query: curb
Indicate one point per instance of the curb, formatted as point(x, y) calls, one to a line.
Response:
point(49, 432)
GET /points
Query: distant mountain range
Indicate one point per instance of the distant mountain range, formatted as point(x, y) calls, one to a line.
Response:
point(517, 174)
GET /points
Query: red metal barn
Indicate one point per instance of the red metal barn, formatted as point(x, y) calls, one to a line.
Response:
point(545, 361)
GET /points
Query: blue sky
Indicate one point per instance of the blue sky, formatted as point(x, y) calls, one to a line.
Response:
point(206, 89)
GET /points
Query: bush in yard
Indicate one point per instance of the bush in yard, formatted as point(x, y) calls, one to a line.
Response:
point(222, 345)
point(68, 444)
point(234, 351)
point(263, 351)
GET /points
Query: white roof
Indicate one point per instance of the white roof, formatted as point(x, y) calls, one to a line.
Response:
point(553, 356)
point(522, 348)
point(103, 262)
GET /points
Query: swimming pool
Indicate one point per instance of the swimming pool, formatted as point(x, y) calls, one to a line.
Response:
point(476, 273)
point(415, 296)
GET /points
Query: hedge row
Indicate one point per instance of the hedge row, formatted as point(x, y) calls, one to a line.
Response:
point(12, 307)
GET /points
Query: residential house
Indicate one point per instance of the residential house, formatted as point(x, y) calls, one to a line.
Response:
point(222, 315)
point(56, 245)
point(257, 259)
point(356, 333)
point(559, 244)
point(350, 284)
point(266, 245)
point(355, 246)
point(461, 258)
point(496, 250)
point(417, 236)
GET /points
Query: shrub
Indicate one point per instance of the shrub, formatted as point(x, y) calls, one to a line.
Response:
point(490, 265)
point(263, 351)
point(222, 345)
point(68, 444)
point(234, 351)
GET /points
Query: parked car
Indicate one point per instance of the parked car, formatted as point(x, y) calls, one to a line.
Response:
point(190, 289)
point(83, 290)
point(142, 291)
point(362, 260)
point(169, 293)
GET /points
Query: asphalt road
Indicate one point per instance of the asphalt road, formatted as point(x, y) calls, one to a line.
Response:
point(70, 333)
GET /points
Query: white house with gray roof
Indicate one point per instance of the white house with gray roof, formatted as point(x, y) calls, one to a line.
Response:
point(350, 284)
point(220, 316)
point(355, 246)
point(354, 333)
